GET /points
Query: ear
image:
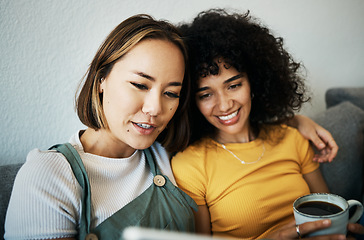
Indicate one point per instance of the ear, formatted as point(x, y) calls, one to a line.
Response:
point(101, 88)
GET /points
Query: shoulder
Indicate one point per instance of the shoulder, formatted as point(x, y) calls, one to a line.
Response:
point(196, 149)
point(46, 182)
point(294, 134)
point(49, 161)
point(46, 169)
point(285, 133)
point(193, 154)
point(189, 168)
point(293, 139)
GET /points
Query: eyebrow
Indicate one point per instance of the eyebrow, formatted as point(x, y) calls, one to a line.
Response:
point(150, 78)
point(233, 78)
point(225, 82)
point(144, 75)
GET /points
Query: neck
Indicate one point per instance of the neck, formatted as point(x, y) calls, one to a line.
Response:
point(245, 136)
point(101, 143)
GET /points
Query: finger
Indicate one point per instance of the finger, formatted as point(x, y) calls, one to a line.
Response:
point(329, 237)
point(356, 228)
point(330, 143)
point(318, 142)
point(316, 158)
point(285, 232)
point(333, 149)
point(319, 158)
point(310, 227)
point(293, 231)
point(322, 156)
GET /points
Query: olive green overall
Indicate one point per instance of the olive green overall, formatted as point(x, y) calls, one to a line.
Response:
point(161, 206)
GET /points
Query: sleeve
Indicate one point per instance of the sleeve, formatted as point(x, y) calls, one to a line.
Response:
point(188, 170)
point(305, 153)
point(46, 199)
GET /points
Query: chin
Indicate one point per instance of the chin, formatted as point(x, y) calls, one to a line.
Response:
point(142, 145)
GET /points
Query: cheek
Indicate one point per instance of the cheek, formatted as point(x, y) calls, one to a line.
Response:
point(243, 96)
point(171, 110)
point(120, 103)
point(204, 108)
point(247, 99)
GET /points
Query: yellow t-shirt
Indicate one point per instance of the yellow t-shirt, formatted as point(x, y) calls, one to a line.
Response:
point(246, 200)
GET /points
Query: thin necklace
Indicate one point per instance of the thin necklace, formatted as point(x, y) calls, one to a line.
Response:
point(243, 162)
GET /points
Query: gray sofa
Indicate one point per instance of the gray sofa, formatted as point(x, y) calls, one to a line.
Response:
point(344, 118)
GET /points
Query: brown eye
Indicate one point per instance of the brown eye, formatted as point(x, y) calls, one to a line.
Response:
point(235, 86)
point(204, 96)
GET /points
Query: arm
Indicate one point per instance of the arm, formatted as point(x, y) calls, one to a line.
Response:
point(316, 182)
point(44, 191)
point(202, 220)
point(320, 137)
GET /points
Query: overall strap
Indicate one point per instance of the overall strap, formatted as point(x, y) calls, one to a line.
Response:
point(161, 206)
point(150, 160)
point(156, 171)
point(79, 171)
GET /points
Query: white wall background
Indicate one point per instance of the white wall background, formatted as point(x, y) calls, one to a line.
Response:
point(46, 46)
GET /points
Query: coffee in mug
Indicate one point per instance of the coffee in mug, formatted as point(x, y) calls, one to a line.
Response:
point(318, 206)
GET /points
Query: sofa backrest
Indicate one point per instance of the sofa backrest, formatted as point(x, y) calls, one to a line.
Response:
point(7, 176)
point(344, 119)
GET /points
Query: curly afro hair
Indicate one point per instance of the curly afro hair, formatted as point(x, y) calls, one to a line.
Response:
point(242, 42)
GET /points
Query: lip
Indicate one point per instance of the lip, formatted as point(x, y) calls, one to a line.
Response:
point(229, 121)
point(144, 128)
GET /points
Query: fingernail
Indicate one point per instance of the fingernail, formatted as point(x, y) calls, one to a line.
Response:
point(326, 222)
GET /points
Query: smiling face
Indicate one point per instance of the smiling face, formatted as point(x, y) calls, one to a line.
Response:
point(141, 94)
point(225, 101)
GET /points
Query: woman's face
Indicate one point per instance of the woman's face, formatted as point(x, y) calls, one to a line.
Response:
point(141, 93)
point(225, 101)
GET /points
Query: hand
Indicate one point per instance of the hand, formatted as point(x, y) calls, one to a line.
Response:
point(355, 228)
point(289, 231)
point(325, 144)
point(320, 137)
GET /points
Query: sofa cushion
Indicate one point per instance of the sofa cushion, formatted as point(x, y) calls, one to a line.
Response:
point(7, 176)
point(334, 96)
point(344, 175)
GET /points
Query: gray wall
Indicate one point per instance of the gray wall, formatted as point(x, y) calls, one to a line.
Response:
point(46, 46)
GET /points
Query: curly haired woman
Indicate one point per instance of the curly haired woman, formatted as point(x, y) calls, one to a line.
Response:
point(244, 166)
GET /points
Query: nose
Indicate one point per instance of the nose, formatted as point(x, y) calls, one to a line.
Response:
point(224, 102)
point(152, 104)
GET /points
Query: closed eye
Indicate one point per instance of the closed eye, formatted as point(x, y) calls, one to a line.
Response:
point(139, 86)
point(171, 95)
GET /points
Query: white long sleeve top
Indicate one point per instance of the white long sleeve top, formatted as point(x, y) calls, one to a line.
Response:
point(46, 197)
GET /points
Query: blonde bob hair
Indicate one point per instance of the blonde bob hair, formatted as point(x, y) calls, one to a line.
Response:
point(123, 38)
